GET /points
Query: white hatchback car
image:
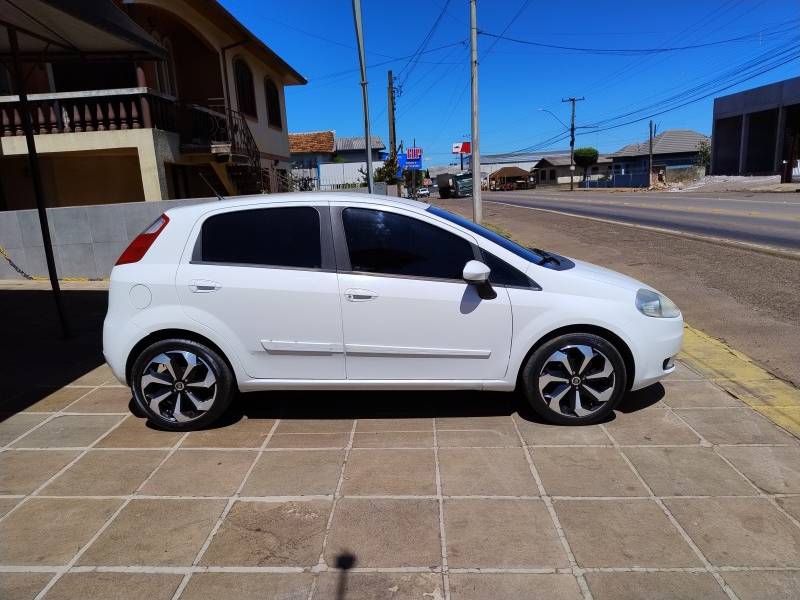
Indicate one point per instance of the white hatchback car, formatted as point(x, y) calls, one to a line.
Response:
point(352, 291)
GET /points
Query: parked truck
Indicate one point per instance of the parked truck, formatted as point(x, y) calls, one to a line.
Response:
point(456, 185)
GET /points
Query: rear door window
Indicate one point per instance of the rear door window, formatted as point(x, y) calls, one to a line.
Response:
point(281, 237)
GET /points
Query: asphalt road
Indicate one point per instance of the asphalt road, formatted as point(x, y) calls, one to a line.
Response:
point(768, 219)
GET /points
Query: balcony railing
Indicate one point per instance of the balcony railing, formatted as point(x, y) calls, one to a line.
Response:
point(94, 110)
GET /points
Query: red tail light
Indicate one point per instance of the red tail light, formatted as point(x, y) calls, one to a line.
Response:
point(142, 242)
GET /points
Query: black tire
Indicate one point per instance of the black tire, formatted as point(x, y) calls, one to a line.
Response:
point(565, 414)
point(219, 394)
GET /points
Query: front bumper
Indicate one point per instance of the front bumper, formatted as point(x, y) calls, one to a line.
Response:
point(661, 340)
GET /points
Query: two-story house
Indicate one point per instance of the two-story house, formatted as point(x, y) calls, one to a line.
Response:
point(212, 115)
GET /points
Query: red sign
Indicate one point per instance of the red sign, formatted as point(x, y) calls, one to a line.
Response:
point(414, 153)
point(462, 148)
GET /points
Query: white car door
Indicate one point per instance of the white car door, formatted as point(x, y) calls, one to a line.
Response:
point(406, 311)
point(265, 278)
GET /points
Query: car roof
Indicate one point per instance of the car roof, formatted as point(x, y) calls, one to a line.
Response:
point(264, 200)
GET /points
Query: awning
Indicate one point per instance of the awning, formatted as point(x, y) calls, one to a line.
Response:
point(52, 30)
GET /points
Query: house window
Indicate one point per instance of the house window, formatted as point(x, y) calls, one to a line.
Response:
point(245, 92)
point(273, 103)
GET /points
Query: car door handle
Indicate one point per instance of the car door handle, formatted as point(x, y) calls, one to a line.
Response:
point(203, 286)
point(358, 295)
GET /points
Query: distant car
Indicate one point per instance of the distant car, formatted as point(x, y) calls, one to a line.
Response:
point(321, 291)
point(423, 192)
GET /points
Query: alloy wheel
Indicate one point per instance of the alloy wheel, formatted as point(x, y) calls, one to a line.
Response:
point(577, 380)
point(179, 385)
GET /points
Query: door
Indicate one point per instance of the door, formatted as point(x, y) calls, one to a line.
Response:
point(406, 311)
point(264, 278)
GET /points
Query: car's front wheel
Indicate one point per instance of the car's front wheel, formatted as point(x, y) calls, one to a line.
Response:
point(574, 379)
point(181, 384)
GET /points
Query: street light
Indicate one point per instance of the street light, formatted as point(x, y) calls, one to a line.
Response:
point(552, 114)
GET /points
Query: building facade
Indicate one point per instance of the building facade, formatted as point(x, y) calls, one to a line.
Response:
point(676, 153)
point(213, 115)
point(757, 131)
point(554, 170)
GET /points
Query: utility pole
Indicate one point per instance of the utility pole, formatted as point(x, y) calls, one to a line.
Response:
point(392, 132)
point(650, 163)
point(477, 209)
point(364, 99)
point(573, 100)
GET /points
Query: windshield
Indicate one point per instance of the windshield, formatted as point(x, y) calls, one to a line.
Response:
point(498, 239)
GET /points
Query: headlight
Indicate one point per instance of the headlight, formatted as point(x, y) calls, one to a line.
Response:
point(653, 304)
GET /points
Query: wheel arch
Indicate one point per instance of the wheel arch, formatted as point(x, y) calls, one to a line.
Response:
point(611, 337)
point(165, 334)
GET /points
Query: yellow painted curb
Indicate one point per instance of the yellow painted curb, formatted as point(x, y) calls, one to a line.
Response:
point(738, 375)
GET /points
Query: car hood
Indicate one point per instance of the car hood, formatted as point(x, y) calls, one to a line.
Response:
point(585, 270)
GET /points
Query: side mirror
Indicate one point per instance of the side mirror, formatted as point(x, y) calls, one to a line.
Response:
point(476, 272)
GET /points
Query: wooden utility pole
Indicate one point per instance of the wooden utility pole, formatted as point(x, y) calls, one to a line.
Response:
point(392, 131)
point(650, 164)
point(573, 100)
point(477, 208)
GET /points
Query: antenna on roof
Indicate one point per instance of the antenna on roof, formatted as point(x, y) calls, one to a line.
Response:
point(211, 187)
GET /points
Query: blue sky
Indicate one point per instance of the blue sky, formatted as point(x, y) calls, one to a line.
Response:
point(516, 79)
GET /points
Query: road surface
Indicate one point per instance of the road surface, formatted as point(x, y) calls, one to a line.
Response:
point(769, 219)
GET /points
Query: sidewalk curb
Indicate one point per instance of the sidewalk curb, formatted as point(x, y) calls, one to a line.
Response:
point(738, 375)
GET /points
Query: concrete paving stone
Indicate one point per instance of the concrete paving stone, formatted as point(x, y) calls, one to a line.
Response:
point(270, 534)
point(22, 586)
point(106, 224)
point(50, 531)
point(735, 426)
point(501, 533)
point(696, 394)
point(314, 426)
point(71, 225)
point(486, 472)
point(308, 440)
point(654, 586)
point(739, 531)
point(77, 260)
point(103, 400)
point(546, 434)
point(292, 473)
point(776, 470)
point(97, 376)
point(155, 532)
point(386, 533)
point(586, 472)
point(248, 586)
point(683, 373)
point(393, 439)
point(476, 431)
point(687, 471)
point(244, 433)
point(115, 586)
point(56, 400)
point(622, 533)
point(15, 425)
point(6, 504)
point(791, 504)
point(757, 585)
point(22, 471)
point(368, 586)
point(69, 431)
point(200, 473)
point(520, 586)
point(105, 473)
point(398, 424)
point(135, 433)
point(650, 426)
point(35, 261)
point(389, 472)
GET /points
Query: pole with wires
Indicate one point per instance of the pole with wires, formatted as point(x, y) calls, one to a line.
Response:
point(573, 100)
point(650, 162)
point(364, 98)
point(477, 209)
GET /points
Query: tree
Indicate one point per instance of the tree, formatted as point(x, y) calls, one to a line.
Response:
point(703, 158)
point(386, 173)
point(585, 158)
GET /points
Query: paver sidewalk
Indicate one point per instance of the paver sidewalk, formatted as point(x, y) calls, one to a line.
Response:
point(686, 493)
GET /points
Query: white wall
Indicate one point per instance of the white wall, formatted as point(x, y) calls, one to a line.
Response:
point(343, 173)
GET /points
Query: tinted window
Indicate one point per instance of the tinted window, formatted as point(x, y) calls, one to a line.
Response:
point(384, 242)
point(503, 273)
point(283, 237)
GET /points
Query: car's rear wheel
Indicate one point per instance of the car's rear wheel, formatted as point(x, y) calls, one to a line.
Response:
point(574, 379)
point(181, 384)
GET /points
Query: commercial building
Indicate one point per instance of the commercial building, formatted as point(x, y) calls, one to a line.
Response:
point(554, 170)
point(134, 131)
point(757, 131)
point(676, 155)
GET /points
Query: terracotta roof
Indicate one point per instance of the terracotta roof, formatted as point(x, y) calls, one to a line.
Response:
point(312, 142)
point(670, 142)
